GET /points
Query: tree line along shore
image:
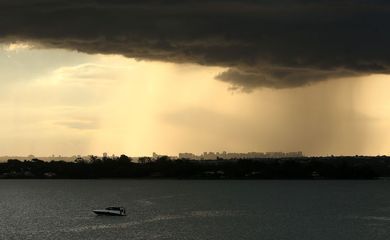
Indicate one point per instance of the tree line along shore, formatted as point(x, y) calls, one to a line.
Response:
point(356, 167)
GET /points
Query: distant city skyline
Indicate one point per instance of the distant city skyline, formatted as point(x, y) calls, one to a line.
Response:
point(204, 155)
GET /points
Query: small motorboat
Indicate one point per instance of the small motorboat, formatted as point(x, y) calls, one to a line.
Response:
point(111, 211)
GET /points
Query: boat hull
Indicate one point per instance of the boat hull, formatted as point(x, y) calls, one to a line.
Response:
point(108, 213)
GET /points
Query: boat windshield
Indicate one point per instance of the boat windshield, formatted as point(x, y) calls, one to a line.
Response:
point(113, 208)
point(116, 208)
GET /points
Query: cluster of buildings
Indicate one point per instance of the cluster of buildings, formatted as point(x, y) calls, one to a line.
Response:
point(249, 155)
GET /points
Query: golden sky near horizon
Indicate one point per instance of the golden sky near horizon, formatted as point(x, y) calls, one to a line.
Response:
point(64, 102)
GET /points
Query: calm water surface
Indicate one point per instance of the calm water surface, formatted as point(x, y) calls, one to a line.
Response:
point(164, 209)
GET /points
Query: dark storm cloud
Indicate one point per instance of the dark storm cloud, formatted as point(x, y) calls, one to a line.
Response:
point(267, 43)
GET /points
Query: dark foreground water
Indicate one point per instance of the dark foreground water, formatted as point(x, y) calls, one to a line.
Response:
point(164, 209)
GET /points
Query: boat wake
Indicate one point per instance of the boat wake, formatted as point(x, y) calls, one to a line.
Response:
point(160, 218)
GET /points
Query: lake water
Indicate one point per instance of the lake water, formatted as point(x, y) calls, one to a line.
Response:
point(169, 209)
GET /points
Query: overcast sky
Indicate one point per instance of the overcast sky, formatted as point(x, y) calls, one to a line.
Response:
point(134, 77)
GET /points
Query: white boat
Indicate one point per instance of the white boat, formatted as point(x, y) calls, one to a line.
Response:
point(111, 211)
